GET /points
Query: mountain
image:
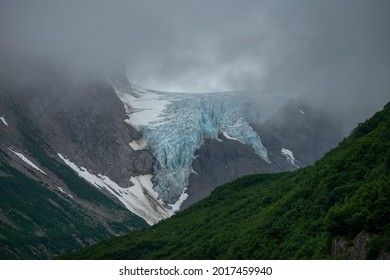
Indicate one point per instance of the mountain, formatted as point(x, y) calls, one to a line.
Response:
point(45, 207)
point(337, 208)
point(200, 141)
point(86, 158)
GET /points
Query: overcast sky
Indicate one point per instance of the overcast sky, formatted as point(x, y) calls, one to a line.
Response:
point(332, 47)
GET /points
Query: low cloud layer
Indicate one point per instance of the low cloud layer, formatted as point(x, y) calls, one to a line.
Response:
point(337, 50)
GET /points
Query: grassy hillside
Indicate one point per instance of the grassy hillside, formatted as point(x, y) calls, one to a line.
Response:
point(280, 216)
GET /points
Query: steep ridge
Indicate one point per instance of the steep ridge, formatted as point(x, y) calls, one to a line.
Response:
point(295, 215)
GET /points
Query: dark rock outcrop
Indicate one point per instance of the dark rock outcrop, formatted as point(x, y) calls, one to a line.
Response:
point(352, 250)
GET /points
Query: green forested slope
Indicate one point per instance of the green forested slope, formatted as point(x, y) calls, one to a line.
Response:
point(280, 216)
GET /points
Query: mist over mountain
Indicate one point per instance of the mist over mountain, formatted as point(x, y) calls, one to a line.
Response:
point(131, 111)
point(335, 51)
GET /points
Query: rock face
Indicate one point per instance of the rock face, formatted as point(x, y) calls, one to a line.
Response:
point(219, 162)
point(45, 207)
point(355, 250)
point(83, 120)
point(384, 256)
point(142, 163)
point(303, 128)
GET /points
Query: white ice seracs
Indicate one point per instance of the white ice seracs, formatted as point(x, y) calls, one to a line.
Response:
point(186, 124)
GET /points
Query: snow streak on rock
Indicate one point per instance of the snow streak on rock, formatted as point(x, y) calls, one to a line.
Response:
point(140, 199)
point(289, 156)
point(26, 160)
point(4, 121)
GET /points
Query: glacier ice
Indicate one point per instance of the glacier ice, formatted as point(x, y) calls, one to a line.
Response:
point(175, 125)
point(187, 123)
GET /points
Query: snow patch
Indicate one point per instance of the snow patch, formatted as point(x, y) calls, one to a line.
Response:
point(143, 107)
point(176, 207)
point(4, 121)
point(140, 198)
point(289, 156)
point(227, 136)
point(137, 145)
point(64, 192)
point(193, 171)
point(26, 160)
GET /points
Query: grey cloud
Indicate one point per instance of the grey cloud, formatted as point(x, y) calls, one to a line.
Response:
point(336, 50)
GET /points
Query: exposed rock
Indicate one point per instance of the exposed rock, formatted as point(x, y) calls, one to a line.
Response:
point(355, 250)
point(309, 135)
point(143, 162)
point(84, 121)
point(218, 162)
point(384, 256)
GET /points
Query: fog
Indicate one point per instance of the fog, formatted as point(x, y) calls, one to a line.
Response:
point(336, 52)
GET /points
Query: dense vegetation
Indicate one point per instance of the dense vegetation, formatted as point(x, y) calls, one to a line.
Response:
point(37, 223)
point(280, 216)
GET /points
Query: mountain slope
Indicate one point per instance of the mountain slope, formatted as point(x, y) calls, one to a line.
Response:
point(45, 207)
point(49, 209)
point(321, 211)
point(100, 150)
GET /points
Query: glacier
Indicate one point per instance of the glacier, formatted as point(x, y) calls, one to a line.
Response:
point(174, 125)
point(187, 123)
